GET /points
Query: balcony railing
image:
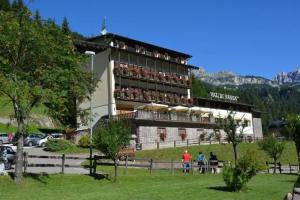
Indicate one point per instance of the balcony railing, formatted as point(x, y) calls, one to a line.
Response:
point(136, 72)
point(137, 94)
point(172, 116)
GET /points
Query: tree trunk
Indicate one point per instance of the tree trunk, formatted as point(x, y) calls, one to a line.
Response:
point(235, 153)
point(298, 156)
point(275, 166)
point(116, 169)
point(19, 156)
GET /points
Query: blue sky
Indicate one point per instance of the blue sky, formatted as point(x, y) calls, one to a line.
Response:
point(256, 37)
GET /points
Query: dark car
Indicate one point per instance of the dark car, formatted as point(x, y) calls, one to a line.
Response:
point(32, 139)
point(11, 156)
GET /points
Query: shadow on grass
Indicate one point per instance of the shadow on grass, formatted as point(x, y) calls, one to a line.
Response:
point(98, 176)
point(221, 188)
point(42, 178)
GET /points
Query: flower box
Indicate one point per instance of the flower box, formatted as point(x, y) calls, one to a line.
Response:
point(136, 72)
point(183, 135)
point(163, 136)
point(144, 73)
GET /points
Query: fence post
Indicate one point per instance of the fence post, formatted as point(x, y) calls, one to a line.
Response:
point(279, 166)
point(151, 165)
point(95, 164)
point(63, 158)
point(141, 146)
point(267, 163)
point(25, 162)
point(157, 145)
point(199, 141)
point(126, 164)
point(187, 142)
point(172, 166)
point(192, 166)
point(290, 168)
point(174, 143)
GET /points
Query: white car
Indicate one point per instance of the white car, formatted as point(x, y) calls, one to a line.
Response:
point(42, 142)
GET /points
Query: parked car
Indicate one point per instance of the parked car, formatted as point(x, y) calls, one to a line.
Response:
point(11, 156)
point(42, 142)
point(32, 139)
point(4, 138)
point(57, 135)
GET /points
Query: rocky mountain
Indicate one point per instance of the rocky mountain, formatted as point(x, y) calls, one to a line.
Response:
point(290, 77)
point(223, 78)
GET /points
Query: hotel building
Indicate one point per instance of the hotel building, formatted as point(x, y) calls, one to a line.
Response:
point(151, 86)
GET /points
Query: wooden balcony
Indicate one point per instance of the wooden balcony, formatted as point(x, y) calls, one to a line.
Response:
point(141, 73)
point(146, 96)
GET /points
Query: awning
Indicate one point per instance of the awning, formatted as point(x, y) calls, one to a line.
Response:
point(153, 106)
point(196, 109)
point(207, 114)
point(179, 108)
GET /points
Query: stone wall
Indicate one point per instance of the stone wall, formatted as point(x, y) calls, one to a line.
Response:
point(149, 136)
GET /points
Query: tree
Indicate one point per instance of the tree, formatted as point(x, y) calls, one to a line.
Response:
point(292, 130)
point(234, 132)
point(111, 138)
point(65, 26)
point(38, 64)
point(273, 148)
point(5, 5)
point(238, 176)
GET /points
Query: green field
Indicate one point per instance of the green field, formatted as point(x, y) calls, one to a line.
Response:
point(139, 184)
point(6, 108)
point(223, 152)
point(4, 128)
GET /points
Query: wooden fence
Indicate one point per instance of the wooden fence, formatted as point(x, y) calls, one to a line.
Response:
point(63, 164)
point(152, 164)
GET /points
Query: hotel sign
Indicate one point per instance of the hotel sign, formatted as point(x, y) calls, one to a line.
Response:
point(225, 97)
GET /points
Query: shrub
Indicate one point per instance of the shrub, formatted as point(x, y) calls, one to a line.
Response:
point(58, 145)
point(84, 141)
point(236, 178)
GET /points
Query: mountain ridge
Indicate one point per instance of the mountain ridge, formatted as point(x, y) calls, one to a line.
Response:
point(223, 78)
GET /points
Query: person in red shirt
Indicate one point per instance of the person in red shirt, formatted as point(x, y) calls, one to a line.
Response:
point(186, 161)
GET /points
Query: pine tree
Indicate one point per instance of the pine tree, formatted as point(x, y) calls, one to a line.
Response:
point(65, 27)
point(5, 5)
point(17, 5)
point(38, 18)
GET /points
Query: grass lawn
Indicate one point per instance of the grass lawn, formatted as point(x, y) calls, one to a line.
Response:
point(223, 152)
point(6, 108)
point(4, 128)
point(139, 184)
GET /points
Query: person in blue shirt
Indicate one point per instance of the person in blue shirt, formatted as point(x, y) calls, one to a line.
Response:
point(201, 162)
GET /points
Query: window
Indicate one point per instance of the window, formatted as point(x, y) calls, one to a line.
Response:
point(123, 57)
point(182, 133)
point(132, 59)
point(115, 55)
point(162, 133)
point(142, 61)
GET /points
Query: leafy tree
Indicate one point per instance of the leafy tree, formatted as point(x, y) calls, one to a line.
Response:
point(273, 148)
point(292, 130)
point(111, 138)
point(237, 177)
point(38, 64)
point(234, 131)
